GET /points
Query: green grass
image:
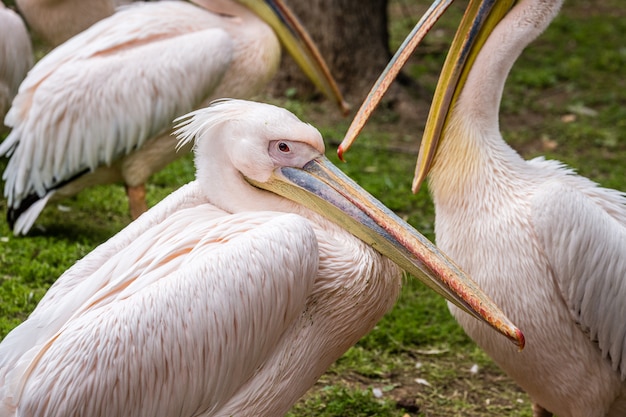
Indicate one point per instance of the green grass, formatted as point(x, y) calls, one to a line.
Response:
point(565, 98)
point(338, 400)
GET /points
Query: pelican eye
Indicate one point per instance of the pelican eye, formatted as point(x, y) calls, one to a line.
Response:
point(283, 147)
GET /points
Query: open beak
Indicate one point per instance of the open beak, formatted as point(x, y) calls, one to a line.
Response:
point(322, 187)
point(390, 73)
point(479, 20)
point(299, 44)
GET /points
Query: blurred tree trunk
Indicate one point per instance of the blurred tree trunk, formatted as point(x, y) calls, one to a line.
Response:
point(353, 38)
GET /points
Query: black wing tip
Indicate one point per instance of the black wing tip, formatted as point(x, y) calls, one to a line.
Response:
point(14, 213)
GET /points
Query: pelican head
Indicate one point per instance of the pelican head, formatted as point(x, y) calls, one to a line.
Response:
point(271, 150)
point(480, 19)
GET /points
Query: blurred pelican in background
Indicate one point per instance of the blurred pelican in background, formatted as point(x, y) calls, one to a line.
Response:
point(98, 108)
point(16, 57)
point(55, 21)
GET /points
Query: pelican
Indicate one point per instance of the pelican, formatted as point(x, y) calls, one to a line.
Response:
point(98, 108)
point(16, 56)
point(55, 21)
point(232, 295)
point(546, 244)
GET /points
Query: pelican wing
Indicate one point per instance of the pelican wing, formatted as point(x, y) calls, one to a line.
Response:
point(583, 237)
point(191, 296)
point(107, 90)
point(60, 300)
point(188, 195)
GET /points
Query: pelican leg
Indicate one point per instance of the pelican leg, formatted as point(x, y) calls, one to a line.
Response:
point(539, 411)
point(136, 200)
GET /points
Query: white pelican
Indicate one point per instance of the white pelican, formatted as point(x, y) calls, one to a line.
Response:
point(98, 108)
point(55, 21)
point(226, 298)
point(16, 57)
point(547, 245)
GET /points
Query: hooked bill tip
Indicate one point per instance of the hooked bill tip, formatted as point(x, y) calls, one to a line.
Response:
point(520, 340)
point(340, 151)
point(346, 108)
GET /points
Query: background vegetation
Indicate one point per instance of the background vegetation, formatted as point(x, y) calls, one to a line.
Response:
point(565, 98)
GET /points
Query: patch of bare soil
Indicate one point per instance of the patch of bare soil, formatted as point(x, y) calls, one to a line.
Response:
point(432, 385)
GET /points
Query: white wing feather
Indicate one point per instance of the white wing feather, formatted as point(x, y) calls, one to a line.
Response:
point(222, 281)
point(582, 233)
point(188, 195)
point(107, 90)
point(39, 326)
